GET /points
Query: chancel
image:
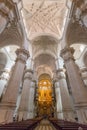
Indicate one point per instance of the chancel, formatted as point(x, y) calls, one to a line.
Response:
point(43, 64)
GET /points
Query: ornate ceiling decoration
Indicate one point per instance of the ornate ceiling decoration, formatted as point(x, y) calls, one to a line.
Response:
point(44, 17)
point(10, 29)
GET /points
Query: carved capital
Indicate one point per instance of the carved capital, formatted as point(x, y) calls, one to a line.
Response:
point(60, 74)
point(67, 54)
point(28, 71)
point(55, 80)
point(59, 70)
point(22, 55)
point(34, 81)
point(28, 74)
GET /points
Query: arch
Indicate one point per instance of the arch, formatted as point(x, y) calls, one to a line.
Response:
point(76, 34)
point(45, 34)
point(45, 44)
point(48, 52)
point(47, 76)
point(9, 51)
point(11, 36)
point(45, 59)
point(44, 69)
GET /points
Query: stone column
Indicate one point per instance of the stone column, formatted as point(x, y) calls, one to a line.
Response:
point(4, 78)
point(59, 114)
point(23, 109)
point(79, 92)
point(15, 115)
point(65, 111)
point(8, 102)
point(31, 107)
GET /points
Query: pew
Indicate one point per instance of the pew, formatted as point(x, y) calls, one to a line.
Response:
point(22, 125)
point(67, 125)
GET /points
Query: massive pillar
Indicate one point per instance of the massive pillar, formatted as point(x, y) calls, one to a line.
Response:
point(8, 102)
point(78, 89)
point(64, 108)
point(23, 109)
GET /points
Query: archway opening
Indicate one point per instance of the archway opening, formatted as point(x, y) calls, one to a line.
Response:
point(45, 100)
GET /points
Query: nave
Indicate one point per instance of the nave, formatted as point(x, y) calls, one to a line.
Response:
point(43, 64)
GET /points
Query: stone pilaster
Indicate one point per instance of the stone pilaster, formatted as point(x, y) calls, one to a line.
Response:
point(58, 104)
point(83, 72)
point(79, 92)
point(31, 107)
point(4, 78)
point(65, 110)
point(23, 109)
point(8, 102)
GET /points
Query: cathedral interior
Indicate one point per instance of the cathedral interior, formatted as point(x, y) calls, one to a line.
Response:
point(43, 60)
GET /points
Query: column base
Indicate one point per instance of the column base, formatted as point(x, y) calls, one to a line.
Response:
point(69, 116)
point(81, 111)
point(66, 115)
point(23, 115)
point(30, 115)
point(6, 115)
point(6, 112)
point(59, 115)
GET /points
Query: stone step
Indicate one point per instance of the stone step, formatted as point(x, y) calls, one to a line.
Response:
point(44, 125)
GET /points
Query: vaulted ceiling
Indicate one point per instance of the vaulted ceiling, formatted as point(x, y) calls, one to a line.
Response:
point(44, 24)
point(44, 17)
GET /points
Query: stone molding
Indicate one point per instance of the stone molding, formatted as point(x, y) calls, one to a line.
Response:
point(84, 78)
point(55, 80)
point(60, 70)
point(83, 72)
point(28, 71)
point(83, 69)
point(81, 105)
point(8, 105)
